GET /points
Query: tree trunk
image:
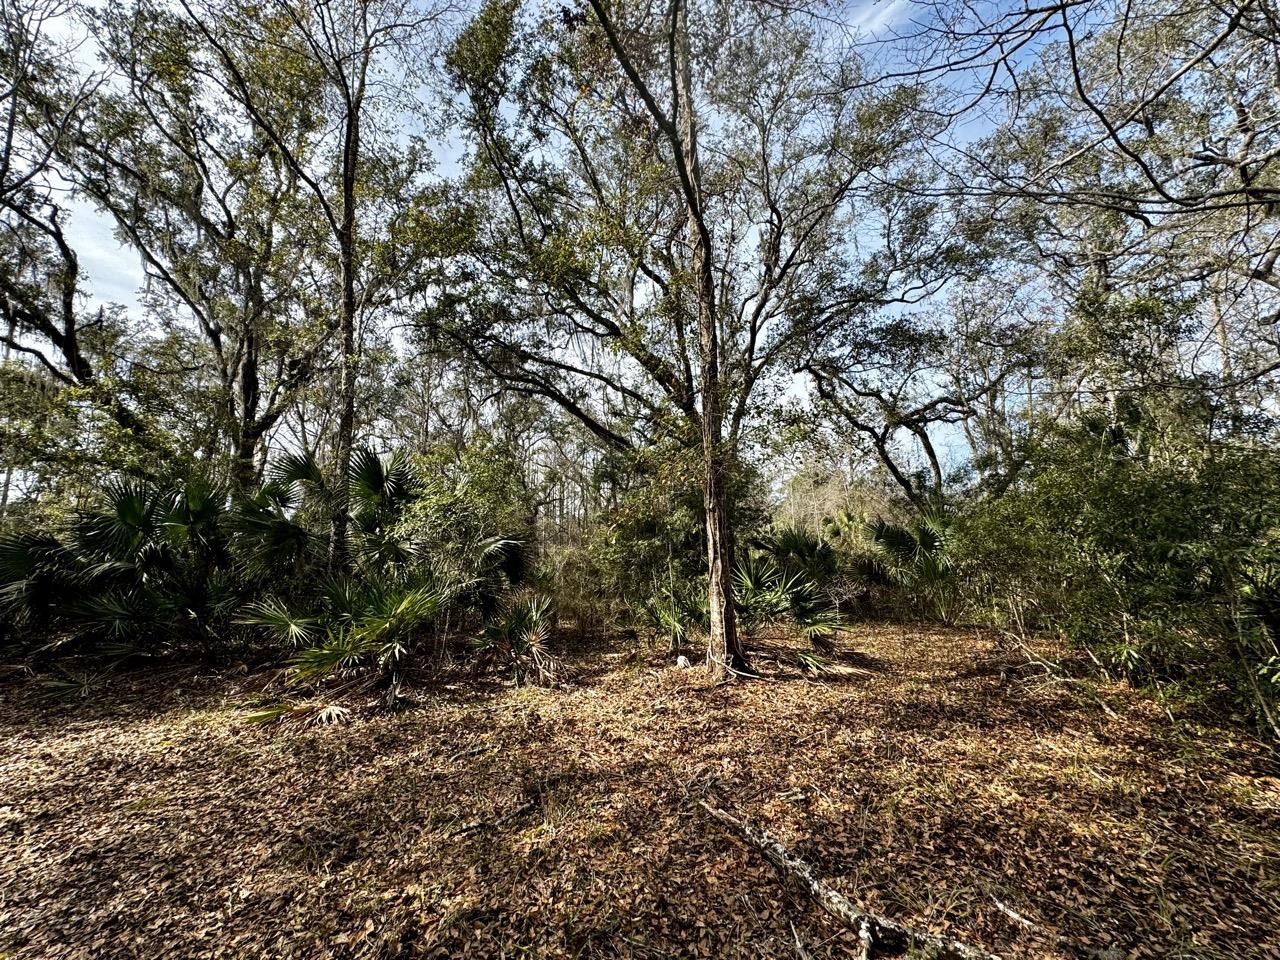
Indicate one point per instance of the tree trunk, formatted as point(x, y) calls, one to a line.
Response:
point(8, 468)
point(249, 432)
point(724, 646)
point(724, 649)
point(345, 439)
point(244, 468)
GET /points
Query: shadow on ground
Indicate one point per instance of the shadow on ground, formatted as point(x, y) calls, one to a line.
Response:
point(505, 822)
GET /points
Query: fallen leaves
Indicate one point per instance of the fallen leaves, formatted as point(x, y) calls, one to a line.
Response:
point(158, 824)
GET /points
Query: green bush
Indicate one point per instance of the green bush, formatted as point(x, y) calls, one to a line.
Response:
point(897, 567)
point(188, 570)
point(518, 637)
point(149, 571)
point(1159, 561)
point(647, 551)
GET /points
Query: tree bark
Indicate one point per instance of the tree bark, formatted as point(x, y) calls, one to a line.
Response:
point(345, 439)
point(724, 648)
point(8, 468)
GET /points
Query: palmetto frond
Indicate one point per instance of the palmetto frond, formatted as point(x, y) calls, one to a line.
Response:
point(268, 540)
point(301, 473)
point(766, 593)
point(798, 550)
point(288, 626)
point(377, 484)
point(36, 571)
point(343, 649)
point(518, 637)
point(365, 622)
point(916, 557)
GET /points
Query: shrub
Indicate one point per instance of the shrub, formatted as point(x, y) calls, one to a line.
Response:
point(899, 566)
point(149, 571)
point(357, 624)
point(518, 639)
point(1160, 563)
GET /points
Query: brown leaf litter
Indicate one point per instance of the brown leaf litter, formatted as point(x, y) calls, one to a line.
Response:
point(925, 781)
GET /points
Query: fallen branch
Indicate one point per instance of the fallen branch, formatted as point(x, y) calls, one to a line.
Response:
point(866, 940)
point(1012, 914)
point(874, 933)
point(801, 952)
point(1112, 952)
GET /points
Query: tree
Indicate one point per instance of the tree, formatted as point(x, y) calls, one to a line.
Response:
point(664, 201)
point(214, 210)
point(42, 106)
point(1133, 150)
point(905, 384)
point(358, 54)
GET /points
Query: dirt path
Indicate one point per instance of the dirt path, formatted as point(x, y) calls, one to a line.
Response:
point(925, 784)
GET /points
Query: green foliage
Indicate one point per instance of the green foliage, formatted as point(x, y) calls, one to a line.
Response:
point(1158, 558)
point(761, 590)
point(517, 639)
point(368, 624)
point(782, 580)
point(358, 625)
point(467, 502)
point(70, 684)
point(653, 538)
point(802, 551)
point(915, 557)
point(648, 550)
point(421, 562)
point(766, 591)
point(189, 570)
point(271, 541)
point(149, 571)
point(675, 611)
point(904, 566)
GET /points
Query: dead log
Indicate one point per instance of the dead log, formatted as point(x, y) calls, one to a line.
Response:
point(874, 933)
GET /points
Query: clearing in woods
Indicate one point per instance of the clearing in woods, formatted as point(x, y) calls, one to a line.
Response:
point(930, 781)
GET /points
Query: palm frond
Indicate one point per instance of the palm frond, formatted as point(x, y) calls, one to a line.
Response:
point(300, 472)
point(343, 650)
point(280, 620)
point(518, 637)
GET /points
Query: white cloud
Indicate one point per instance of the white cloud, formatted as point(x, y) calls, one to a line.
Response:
point(877, 15)
point(113, 272)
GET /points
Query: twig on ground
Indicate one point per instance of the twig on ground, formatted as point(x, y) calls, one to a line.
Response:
point(1012, 914)
point(476, 750)
point(872, 930)
point(801, 952)
point(1109, 953)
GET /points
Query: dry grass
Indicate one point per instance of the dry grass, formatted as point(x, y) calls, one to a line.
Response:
point(924, 781)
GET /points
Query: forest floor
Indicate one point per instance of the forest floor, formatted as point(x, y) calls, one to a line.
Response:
point(930, 782)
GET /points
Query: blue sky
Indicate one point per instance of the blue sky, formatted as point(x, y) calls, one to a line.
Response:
point(113, 273)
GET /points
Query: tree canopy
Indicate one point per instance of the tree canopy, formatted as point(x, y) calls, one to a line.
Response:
point(624, 284)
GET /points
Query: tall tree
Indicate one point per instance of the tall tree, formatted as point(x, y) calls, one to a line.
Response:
point(216, 213)
point(666, 198)
point(1135, 150)
point(905, 385)
point(361, 52)
point(42, 103)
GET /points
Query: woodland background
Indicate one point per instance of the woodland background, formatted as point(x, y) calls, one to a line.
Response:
point(471, 331)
